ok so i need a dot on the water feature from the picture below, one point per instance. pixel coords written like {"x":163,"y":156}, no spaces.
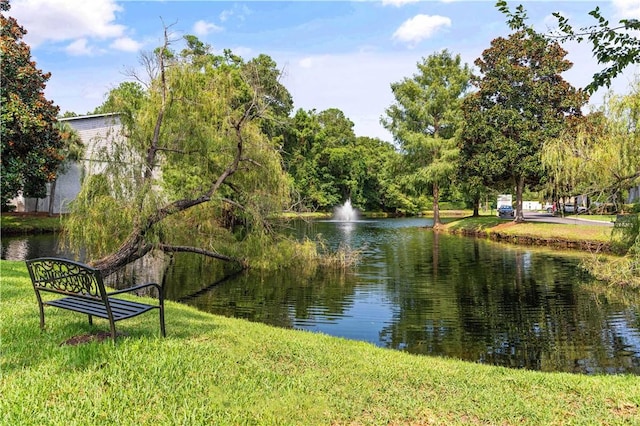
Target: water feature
{"x":427,"y":293}
{"x":345,"y":212}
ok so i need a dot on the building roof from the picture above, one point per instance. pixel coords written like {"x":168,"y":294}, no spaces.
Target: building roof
{"x":83,"y":117}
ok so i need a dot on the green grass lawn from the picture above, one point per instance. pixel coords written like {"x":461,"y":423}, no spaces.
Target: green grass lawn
{"x":17,"y":224}
{"x":581,"y":231}
{"x":212,"y":370}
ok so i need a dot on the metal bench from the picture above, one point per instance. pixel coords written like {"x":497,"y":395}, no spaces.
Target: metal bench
{"x":84,"y":292}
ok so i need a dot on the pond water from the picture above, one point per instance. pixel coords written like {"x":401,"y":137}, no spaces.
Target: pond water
{"x":424,"y":293}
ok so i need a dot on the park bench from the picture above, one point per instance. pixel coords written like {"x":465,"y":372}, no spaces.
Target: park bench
{"x":85,"y":293}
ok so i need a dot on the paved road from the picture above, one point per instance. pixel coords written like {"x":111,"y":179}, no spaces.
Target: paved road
{"x":573,"y":219}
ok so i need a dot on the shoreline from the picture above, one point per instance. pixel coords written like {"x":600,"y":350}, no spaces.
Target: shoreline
{"x":530,"y":240}
{"x":584,"y":236}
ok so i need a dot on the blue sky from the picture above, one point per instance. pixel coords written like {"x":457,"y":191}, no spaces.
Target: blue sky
{"x":334,"y":54}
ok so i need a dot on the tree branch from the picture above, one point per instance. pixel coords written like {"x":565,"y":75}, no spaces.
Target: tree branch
{"x":187,"y":249}
{"x":252,"y":161}
{"x":177,"y":151}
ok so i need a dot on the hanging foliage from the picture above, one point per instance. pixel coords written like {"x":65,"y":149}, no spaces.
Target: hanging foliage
{"x":195,"y":172}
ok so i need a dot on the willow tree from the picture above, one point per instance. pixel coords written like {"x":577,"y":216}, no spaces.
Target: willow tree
{"x":521,"y":102}
{"x":424,"y":120}
{"x":193,"y":171}
{"x":600,"y":154}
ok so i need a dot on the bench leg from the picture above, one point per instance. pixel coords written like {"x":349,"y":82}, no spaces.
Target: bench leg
{"x":41,"y":308}
{"x":41,"y":317}
{"x":161,"y":309}
{"x":113,"y":331}
{"x":90,"y":319}
{"x":162,"y":329}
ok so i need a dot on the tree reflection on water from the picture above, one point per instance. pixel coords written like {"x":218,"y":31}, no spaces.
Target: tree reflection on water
{"x":432,"y":294}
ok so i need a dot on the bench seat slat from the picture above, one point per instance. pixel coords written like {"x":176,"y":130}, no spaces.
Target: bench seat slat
{"x":120,"y":309}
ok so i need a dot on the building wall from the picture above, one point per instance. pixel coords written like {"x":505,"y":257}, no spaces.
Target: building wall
{"x":531,"y":205}
{"x":96,"y":132}
{"x":67,"y":188}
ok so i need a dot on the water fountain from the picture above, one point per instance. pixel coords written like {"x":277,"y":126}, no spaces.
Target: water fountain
{"x":345,"y":212}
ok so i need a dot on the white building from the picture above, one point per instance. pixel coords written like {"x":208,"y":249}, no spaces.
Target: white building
{"x":95,"y":131}
{"x":533,"y":206}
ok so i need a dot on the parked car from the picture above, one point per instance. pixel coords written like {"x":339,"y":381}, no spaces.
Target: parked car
{"x":571,"y":208}
{"x":505,"y":211}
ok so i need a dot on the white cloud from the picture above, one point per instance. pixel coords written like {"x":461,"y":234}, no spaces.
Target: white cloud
{"x":203,"y":28}
{"x":397,"y":3}
{"x":240,"y":13}
{"x":306,"y":62}
{"x":420,"y":27}
{"x":315,"y":61}
{"x":243,"y":51}
{"x":79,"y":48}
{"x":60,"y":20}
{"x":627,"y":8}
{"x":126,"y":44}
{"x":225,"y":14}
{"x":244,"y":11}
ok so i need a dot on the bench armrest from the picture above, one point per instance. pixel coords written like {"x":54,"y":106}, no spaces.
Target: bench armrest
{"x":138,"y":287}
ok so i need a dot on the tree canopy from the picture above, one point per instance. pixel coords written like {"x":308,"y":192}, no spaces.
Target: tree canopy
{"x":31,"y":144}
{"x":424,"y":119}
{"x":521,"y":102}
{"x":125,"y":100}
{"x":328,"y":164}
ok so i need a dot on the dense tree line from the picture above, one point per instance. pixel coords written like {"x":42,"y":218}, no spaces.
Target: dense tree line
{"x":329,"y":164}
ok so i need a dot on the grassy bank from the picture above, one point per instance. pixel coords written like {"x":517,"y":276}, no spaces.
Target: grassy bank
{"x":582,"y":235}
{"x":28,"y":223}
{"x":222,"y":371}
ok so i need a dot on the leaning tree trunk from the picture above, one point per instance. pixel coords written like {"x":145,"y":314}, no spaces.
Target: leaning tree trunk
{"x":132,"y":249}
{"x":136,"y":245}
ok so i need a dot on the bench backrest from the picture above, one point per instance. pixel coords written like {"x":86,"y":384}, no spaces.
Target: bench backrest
{"x":66,"y":277}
